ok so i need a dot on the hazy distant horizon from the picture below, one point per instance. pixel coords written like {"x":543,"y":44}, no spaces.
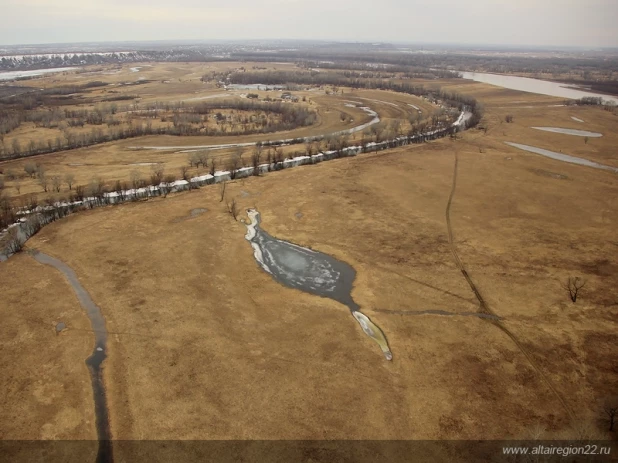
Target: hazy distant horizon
{"x":399,"y":44}
{"x":521,"y":23}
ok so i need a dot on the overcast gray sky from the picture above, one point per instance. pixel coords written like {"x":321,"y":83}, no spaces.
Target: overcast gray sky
{"x":520,"y":22}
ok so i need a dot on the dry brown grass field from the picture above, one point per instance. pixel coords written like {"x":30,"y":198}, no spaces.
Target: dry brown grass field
{"x":205,"y":345}
{"x":117,"y":160}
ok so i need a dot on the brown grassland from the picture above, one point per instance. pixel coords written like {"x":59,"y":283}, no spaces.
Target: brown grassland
{"x":117,"y":160}
{"x":205,"y":345}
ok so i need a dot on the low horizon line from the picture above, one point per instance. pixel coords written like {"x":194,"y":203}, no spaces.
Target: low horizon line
{"x":539,"y":47}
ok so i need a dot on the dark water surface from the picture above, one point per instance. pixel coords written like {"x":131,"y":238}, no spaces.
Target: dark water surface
{"x":310,"y":271}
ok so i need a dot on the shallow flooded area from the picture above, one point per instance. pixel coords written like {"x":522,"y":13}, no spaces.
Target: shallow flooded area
{"x":10,"y":75}
{"x":577,"y":133}
{"x":309,"y":271}
{"x":526,"y":84}
{"x":562,"y":157}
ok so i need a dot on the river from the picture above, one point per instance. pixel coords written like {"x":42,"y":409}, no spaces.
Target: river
{"x":541,"y":87}
{"x":10,"y":75}
{"x":99,"y":354}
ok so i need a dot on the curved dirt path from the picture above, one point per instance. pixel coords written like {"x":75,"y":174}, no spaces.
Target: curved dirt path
{"x":491,"y":316}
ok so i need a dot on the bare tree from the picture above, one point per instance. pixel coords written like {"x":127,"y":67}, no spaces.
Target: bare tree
{"x":43,"y":180}
{"x":14,"y":244}
{"x":32,"y":225}
{"x":395,"y":126}
{"x":119,"y":190}
{"x":213,"y":166}
{"x":202,"y":158}
{"x":97,"y":187}
{"x":573,"y":285}
{"x":586,"y":140}
{"x":233,"y":165}
{"x":156,"y":176}
{"x":79,"y":193}
{"x":610,"y":409}
{"x":166,"y":185}
{"x":30,"y":169}
{"x":194,"y":160}
{"x":255,"y":159}
{"x":222,"y":190}
{"x":69,"y":179}
{"x":278,"y":155}
{"x":56,"y":183}
{"x":16,"y":147}
{"x":184,"y":173}
{"x":17,"y":185}
{"x":136,"y":179}
{"x":232,"y":208}
{"x":238,"y":152}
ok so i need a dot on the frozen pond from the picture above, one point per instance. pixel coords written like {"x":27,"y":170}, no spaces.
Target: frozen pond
{"x":526,"y":84}
{"x":578,"y":133}
{"x":9,"y":75}
{"x":562,"y":157}
{"x":309,"y":271}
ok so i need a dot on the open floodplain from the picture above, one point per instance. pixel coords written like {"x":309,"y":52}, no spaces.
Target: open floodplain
{"x":203,"y":343}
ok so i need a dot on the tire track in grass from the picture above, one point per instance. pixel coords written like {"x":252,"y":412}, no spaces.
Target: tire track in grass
{"x":484,"y":307}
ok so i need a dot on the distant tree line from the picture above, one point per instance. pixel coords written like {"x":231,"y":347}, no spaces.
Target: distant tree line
{"x":184,"y":120}
{"x":290,"y":78}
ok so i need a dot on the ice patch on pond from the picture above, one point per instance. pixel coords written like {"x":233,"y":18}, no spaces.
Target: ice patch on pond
{"x":10,"y":75}
{"x":562,"y":157}
{"x":309,"y":271}
{"x":577,"y":133}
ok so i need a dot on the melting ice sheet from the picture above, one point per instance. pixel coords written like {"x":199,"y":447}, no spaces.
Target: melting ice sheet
{"x":310,"y":271}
